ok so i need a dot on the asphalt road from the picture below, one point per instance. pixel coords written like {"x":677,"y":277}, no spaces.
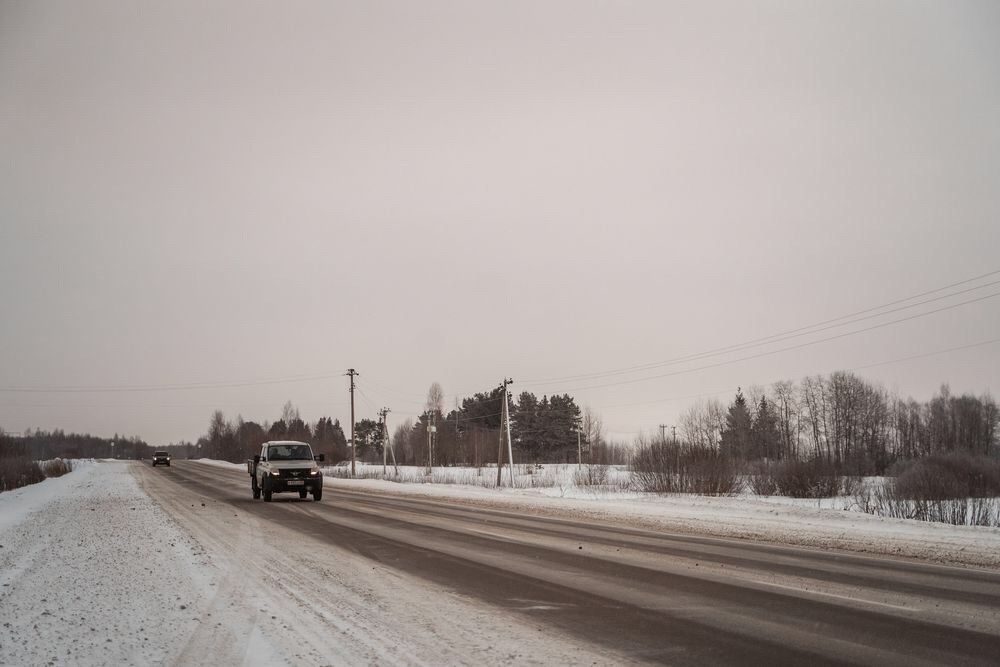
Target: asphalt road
{"x":638,"y":595}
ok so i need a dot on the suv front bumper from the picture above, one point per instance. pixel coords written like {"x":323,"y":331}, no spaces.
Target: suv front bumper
{"x":285,"y":484}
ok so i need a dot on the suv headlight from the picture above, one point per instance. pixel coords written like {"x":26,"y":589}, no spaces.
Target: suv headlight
{"x":315,"y":472}
{"x":275,"y":473}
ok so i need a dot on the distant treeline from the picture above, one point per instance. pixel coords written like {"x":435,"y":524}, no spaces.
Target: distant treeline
{"x":843,"y":420}
{"x":547,"y":429}
{"x":19,"y":465}
{"x":240,"y":439}
{"x":544,"y":429}
{"x":45,"y":445}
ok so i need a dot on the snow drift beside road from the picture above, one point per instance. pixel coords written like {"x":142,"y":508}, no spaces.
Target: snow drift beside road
{"x":93,"y":572}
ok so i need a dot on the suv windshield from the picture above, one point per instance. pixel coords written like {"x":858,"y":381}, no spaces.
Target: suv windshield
{"x":289,"y":452}
{"x":159,"y":453}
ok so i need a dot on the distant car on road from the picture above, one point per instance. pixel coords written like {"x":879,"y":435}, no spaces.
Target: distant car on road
{"x":161,"y":458}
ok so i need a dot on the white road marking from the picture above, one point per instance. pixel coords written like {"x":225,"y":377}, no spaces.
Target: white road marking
{"x":835,"y":595}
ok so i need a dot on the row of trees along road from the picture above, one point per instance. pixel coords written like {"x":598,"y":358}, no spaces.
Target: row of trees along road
{"x":241,"y":439}
{"x":43,"y":445}
{"x":544,"y":429}
{"x":844,"y":420}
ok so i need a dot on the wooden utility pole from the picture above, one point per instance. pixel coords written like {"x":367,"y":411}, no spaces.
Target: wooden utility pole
{"x":381,"y":422}
{"x":386,"y":445}
{"x":351,"y":372}
{"x":505,"y":430}
{"x":500,"y":457}
{"x":431,"y":428}
{"x":663,"y":433}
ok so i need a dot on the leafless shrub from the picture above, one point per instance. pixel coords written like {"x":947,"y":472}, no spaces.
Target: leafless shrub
{"x":884,"y":499}
{"x":949,"y":476}
{"x":56,"y":468}
{"x":344,"y":472}
{"x":851,"y":485}
{"x":669,"y":468}
{"x":17,"y":469}
{"x":654,"y":468}
{"x":806,"y":479}
{"x":591,"y":475}
{"x":625,"y":484}
{"x":761,"y":480}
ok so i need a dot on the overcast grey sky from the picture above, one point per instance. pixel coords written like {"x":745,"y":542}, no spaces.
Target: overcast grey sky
{"x":221,"y":192}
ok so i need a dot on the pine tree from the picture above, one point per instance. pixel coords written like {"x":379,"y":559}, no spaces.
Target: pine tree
{"x":765,"y":437}
{"x":278,"y":430}
{"x":736,"y":434}
{"x":525,"y":425}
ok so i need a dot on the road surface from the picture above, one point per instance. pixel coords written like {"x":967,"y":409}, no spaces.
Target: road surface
{"x":597,"y":592}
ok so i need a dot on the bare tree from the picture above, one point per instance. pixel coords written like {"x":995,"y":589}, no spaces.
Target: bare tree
{"x":592,"y":431}
{"x":788,"y":409}
{"x":435,"y":398}
{"x":290,"y":413}
{"x":701,"y":424}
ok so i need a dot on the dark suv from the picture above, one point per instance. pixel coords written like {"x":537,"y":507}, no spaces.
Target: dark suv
{"x":161,"y":457}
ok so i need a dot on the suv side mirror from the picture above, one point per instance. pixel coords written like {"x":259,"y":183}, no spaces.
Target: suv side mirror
{"x":319,"y":457}
{"x":256,"y":458}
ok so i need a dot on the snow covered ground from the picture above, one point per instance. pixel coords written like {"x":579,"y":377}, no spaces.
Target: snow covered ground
{"x":827,"y":523}
{"x":115,"y":564}
{"x":93,"y":572}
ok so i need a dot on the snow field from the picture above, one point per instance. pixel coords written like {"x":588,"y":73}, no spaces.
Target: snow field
{"x":95,"y":573}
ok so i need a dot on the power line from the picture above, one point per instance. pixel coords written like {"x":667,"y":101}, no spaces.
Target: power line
{"x":785,"y":349}
{"x":855,"y":368}
{"x":926,"y":354}
{"x":392,"y":393}
{"x":818,"y":327}
{"x":192,"y":406}
{"x":781,"y":336}
{"x":751,"y":345}
{"x":54,"y":389}
{"x":364,"y":397}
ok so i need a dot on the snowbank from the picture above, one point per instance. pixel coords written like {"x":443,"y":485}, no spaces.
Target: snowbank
{"x":93,"y":572}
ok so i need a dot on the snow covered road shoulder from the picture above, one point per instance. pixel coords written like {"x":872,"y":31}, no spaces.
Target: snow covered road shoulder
{"x":93,"y":572}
